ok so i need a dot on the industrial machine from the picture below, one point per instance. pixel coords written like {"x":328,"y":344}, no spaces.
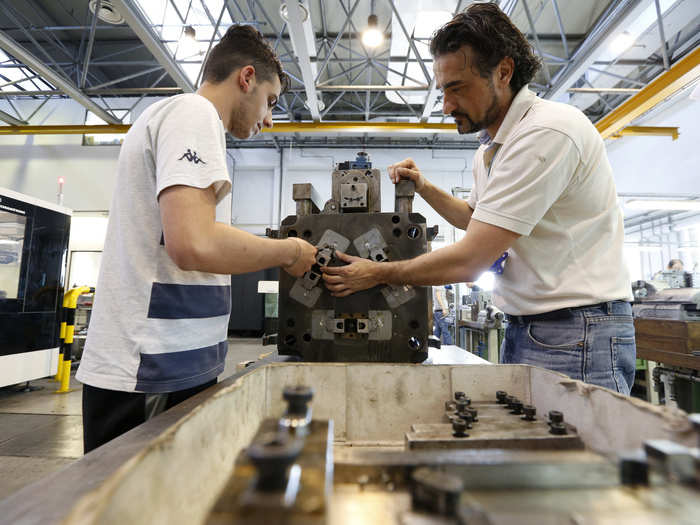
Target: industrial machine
{"x":387,"y":323}
{"x":33,"y":251}
{"x":480,"y":325}
{"x":386,"y":443}
{"x":488,"y":461}
{"x":667,"y":326}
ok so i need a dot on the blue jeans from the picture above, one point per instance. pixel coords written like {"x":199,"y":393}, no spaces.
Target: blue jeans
{"x":441,"y":327}
{"x":596,"y":345}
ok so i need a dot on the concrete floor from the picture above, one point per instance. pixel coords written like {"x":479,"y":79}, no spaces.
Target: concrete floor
{"x":41,"y":431}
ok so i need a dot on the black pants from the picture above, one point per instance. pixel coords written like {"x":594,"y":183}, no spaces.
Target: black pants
{"x":109,"y":413}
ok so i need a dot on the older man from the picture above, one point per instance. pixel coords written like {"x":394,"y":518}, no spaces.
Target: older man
{"x":543,"y":193}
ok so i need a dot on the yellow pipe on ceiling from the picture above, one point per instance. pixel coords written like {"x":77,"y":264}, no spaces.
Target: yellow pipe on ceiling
{"x":78,"y":129}
{"x":647,"y":131}
{"x":666,"y":84}
{"x":279,"y":127}
{"x":678,"y":76}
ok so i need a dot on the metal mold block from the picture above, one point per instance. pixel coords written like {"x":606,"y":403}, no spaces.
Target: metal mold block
{"x":382,"y":324}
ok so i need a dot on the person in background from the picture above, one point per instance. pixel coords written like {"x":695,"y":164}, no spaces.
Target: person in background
{"x":675,"y":265}
{"x":443,"y":313}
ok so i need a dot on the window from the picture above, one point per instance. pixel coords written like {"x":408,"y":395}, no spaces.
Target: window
{"x":12,"y":228}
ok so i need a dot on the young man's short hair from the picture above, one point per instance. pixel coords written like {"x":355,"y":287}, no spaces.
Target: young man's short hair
{"x":241,"y":46}
{"x":492,"y":36}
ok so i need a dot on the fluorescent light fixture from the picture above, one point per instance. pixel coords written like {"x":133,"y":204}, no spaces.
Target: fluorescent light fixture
{"x":662,"y":204}
{"x":621,"y":43}
{"x":372,"y":36}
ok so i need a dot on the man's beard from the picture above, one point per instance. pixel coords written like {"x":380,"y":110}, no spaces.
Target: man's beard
{"x":469,"y":126}
{"x":240,"y":121}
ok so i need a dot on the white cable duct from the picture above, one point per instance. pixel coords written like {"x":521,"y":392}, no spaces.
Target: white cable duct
{"x":304,"y":45}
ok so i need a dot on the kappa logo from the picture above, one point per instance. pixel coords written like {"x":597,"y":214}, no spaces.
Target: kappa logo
{"x":191,"y":156}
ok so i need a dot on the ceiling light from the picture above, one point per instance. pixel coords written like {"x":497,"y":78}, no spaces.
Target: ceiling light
{"x":107,"y":12}
{"x":302,"y":7}
{"x":188,"y":46}
{"x":621,"y":43}
{"x":653,"y":204}
{"x":372,"y":36}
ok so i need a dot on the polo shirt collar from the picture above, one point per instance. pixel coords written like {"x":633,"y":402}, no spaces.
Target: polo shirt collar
{"x":522,"y":102}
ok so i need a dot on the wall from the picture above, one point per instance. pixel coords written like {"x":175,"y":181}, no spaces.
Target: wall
{"x":32,"y":164}
{"x":659,"y":164}
{"x":663,"y":166}
{"x":257,"y":186}
{"x":261,"y":196}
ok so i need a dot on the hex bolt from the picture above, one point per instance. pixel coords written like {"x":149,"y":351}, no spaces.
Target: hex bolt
{"x":462,"y":406}
{"x":459,"y":427}
{"x":501,"y":396}
{"x":474,"y":413}
{"x":555,"y":417}
{"x":466,"y":416}
{"x":272,"y":455}
{"x":530,"y":412}
{"x":436,"y":492}
{"x":517,"y":408}
{"x":558,"y":429}
{"x":297,"y":398}
{"x":459,"y":395}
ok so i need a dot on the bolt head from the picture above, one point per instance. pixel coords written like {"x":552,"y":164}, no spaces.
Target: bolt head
{"x":555,"y":416}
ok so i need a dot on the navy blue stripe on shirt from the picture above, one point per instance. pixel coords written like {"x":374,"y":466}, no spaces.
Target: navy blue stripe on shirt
{"x":188,"y":301}
{"x":172,"y":371}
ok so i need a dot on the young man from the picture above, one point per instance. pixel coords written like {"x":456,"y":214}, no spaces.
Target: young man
{"x":543,"y":192}
{"x":158,"y":329}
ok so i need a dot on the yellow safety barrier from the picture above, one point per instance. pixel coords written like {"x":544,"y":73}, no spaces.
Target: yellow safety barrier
{"x":61,"y":337}
{"x":70,"y":301}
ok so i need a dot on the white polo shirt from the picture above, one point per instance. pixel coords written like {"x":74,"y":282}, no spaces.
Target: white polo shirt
{"x":547,"y":177}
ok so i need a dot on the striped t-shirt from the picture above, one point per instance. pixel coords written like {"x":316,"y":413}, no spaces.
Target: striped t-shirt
{"x":156,"y":328}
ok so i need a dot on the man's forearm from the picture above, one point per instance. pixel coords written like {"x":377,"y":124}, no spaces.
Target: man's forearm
{"x":228,"y":250}
{"x":444,"y":266}
{"x":455,"y":211}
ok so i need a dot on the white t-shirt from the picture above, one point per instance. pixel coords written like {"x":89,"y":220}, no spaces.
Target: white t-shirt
{"x":154,"y":327}
{"x":547,"y":177}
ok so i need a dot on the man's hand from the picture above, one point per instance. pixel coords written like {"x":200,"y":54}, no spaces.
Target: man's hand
{"x":359,"y":274}
{"x":302,"y":259}
{"x":407,"y":170}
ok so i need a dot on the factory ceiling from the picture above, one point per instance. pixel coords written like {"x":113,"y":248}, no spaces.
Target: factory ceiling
{"x":596,"y":54}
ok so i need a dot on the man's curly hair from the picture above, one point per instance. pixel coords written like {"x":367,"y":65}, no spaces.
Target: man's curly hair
{"x":492,"y":36}
{"x":241,"y":46}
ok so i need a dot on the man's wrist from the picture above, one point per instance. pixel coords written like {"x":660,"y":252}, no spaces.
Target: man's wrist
{"x":383,"y":272}
{"x":294,"y":253}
